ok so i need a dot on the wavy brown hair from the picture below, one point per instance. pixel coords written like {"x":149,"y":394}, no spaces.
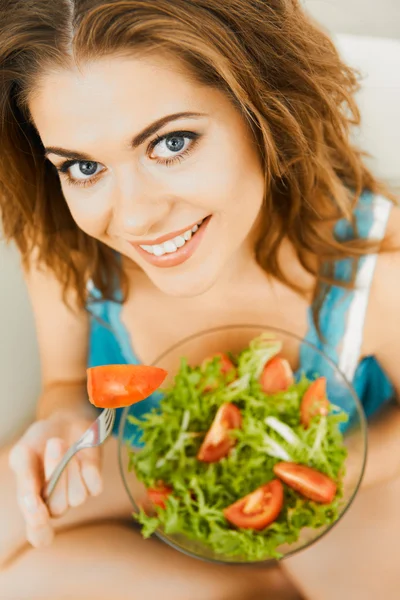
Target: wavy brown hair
{"x":277,"y":66}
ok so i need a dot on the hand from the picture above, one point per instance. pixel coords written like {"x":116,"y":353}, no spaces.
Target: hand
{"x":34,"y":458}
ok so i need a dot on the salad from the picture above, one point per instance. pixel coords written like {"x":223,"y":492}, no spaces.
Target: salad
{"x":240,"y":454}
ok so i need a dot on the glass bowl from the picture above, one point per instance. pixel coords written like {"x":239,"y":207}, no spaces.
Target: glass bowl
{"x":304,"y":358}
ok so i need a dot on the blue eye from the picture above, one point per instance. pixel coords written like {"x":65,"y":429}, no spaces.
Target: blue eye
{"x":173,"y":146}
{"x":80,"y":171}
{"x":87,"y":168}
{"x":175,"y":143}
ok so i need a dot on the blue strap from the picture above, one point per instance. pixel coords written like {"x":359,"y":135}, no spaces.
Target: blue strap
{"x":370,"y":382}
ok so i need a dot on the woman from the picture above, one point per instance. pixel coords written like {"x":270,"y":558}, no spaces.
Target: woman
{"x":171,"y":166}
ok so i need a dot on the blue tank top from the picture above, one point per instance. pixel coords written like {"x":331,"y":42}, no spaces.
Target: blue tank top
{"x":341,"y":319}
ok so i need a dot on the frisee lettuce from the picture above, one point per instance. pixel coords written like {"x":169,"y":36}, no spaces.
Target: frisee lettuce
{"x":271,"y":431}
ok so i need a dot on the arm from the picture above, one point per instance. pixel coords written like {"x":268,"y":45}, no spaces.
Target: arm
{"x":63,"y":344}
{"x":382,"y":339}
{"x":63,"y":414}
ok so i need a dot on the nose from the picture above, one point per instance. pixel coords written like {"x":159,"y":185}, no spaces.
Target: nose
{"x":139,"y":206}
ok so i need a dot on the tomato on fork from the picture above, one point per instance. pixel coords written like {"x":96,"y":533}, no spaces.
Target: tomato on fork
{"x":115,"y":386}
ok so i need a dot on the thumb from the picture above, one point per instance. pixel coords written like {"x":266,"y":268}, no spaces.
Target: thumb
{"x":90,"y":465}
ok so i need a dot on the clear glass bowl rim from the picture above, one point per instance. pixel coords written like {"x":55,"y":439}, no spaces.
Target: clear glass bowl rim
{"x":335,"y":368}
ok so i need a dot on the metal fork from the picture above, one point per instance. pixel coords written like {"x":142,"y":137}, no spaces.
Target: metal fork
{"x":97,"y":433}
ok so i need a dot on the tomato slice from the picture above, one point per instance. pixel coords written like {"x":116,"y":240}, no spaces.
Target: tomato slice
{"x":226,"y":365}
{"x":277,"y":376}
{"x":312,"y":484}
{"x":258,"y":509}
{"x":218,"y":442}
{"x":159,"y":495}
{"x":114,"y":386}
{"x":314,"y":402}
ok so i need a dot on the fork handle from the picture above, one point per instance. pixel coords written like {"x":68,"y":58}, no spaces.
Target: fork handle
{"x":52,"y":482}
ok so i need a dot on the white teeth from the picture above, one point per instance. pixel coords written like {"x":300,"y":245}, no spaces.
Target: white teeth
{"x":158,"y":250}
{"x":171,"y":246}
{"x":179,"y":241}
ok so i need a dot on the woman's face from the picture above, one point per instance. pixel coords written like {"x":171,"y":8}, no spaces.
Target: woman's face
{"x":158,"y":167}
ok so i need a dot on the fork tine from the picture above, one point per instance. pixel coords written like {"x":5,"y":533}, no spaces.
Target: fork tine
{"x":109,"y":416}
{"x":110,"y":428}
{"x":109,"y":419}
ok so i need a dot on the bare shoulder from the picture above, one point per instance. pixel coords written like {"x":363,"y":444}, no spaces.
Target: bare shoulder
{"x":62,"y":330}
{"x":382,"y":327}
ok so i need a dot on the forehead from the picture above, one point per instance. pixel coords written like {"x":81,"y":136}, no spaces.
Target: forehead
{"x":104,"y":98}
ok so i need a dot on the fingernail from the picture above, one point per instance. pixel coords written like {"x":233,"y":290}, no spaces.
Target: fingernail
{"x":31,"y":503}
{"x":92,"y":479}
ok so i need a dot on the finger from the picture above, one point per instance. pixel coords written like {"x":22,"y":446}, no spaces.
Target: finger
{"x":25,"y":465}
{"x":90,"y":464}
{"x":54,"y":451}
{"x":40,"y":538}
{"x":76,"y":489}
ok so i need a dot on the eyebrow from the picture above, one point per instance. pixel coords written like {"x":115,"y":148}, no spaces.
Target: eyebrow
{"x":137,"y":140}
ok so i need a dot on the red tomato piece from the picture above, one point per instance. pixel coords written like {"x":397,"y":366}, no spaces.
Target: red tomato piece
{"x":226,"y":366}
{"x":314,"y":401}
{"x":312,"y":484}
{"x":159,"y":495}
{"x":277,"y":376}
{"x":114,"y":386}
{"x":218,"y":442}
{"x":258,"y":509}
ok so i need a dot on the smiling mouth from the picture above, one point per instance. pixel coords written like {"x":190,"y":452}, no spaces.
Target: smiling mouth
{"x":173,"y":251}
{"x":172,"y":245}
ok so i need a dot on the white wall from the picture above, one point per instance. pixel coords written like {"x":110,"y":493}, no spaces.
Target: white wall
{"x":19,"y":362}
{"x":378,"y":60}
{"x":378,"y":18}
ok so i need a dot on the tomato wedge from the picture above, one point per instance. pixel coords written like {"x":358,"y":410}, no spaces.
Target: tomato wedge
{"x":218,"y":442}
{"x":159,"y":495}
{"x":314,"y":402}
{"x":258,"y":509}
{"x":277,"y":376}
{"x":114,"y":386}
{"x":312,"y":484}
{"x":226,"y":364}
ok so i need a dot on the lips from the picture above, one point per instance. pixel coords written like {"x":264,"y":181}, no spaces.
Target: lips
{"x":166,"y":237}
{"x":172,"y":249}
{"x":171,"y":245}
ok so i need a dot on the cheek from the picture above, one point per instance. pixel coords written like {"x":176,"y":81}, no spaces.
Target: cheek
{"x":90,"y":209}
{"x":228,"y":179}
{"x":236,"y":185}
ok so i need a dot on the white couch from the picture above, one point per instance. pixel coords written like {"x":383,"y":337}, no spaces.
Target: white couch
{"x":378,"y":59}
